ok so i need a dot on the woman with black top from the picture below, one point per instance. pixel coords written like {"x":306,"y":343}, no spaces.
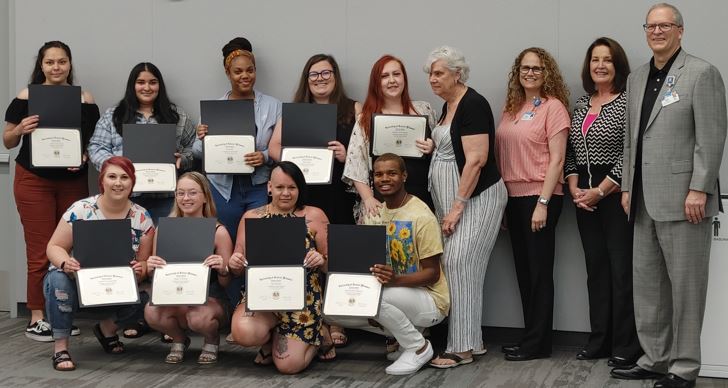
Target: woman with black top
{"x":321,"y":83}
{"x":593,"y":169}
{"x":43,"y":194}
{"x":469,"y":198}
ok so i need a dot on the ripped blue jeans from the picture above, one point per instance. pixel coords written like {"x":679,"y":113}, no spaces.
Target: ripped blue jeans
{"x":61,"y":295}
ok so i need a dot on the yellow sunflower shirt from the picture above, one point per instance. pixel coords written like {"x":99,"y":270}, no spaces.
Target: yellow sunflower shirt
{"x":414,"y":234}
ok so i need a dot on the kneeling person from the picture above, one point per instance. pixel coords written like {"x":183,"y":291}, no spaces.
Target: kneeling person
{"x":415,"y":294}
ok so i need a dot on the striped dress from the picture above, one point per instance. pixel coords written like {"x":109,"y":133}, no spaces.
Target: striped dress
{"x":467,"y":251}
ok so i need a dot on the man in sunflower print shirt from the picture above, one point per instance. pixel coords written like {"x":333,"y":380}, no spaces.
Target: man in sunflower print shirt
{"x":415,"y":294}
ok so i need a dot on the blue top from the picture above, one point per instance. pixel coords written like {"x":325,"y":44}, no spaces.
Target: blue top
{"x":267,"y":113}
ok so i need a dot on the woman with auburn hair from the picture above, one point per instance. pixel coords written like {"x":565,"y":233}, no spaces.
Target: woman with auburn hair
{"x":193,"y":199}
{"x":593,"y":170}
{"x":116,"y":181}
{"x":530,"y":145}
{"x":388,"y":93}
{"x":43,"y":194}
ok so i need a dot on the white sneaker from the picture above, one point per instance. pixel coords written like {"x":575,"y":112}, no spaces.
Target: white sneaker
{"x":410,"y":362}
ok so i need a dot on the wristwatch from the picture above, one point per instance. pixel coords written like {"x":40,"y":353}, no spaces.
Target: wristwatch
{"x":543,"y":201}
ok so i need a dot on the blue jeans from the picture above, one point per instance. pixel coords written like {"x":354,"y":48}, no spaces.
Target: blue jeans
{"x":244,"y":196}
{"x":61,"y":297}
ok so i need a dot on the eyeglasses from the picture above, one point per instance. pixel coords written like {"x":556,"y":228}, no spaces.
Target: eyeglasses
{"x":537,"y":70}
{"x":324,"y":74}
{"x":191,"y":194}
{"x":664,"y":27}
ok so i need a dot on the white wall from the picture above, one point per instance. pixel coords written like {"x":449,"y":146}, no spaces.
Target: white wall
{"x":184,"y":38}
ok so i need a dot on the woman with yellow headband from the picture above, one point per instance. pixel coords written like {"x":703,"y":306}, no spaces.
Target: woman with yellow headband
{"x":235,"y":194}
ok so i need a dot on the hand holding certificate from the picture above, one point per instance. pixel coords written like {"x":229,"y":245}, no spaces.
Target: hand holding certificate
{"x":306,"y":133}
{"x":351,"y":289}
{"x":151,"y":147}
{"x":398,"y":134}
{"x":56,"y":141}
{"x":275,"y":249}
{"x":104,"y":278}
{"x":183,"y":278}
{"x":230,"y":136}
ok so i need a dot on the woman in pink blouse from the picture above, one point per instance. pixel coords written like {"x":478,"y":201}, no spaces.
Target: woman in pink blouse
{"x":530,"y":147}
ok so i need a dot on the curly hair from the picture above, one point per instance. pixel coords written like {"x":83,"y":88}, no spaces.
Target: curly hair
{"x":553,"y":83}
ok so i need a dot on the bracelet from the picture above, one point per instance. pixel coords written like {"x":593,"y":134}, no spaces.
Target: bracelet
{"x":461,"y":199}
{"x":601,"y":192}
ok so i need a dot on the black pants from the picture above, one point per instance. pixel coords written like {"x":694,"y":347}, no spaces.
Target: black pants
{"x":533,"y":255}
{"x":606,"y":236}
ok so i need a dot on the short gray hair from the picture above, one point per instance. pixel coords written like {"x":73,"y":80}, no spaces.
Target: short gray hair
{"x":675,"y":12}
{"x":454,"y":60}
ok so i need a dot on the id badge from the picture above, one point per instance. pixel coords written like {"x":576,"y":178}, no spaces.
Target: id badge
{"x":670,"y":97}
{"x":528,"y":116}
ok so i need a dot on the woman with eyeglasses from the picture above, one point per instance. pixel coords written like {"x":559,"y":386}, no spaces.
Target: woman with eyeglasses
{"x":235,"y":194}
{"x":593,"y":170}
{"x":388,"y":93}
{"x":530,"y":144}
{"x":193,"y":199}
{"x":321,"y":83}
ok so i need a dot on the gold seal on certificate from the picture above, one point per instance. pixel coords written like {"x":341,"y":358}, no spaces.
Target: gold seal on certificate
{"x":397,"y":134}
{"x":315,"y":163}
{"x":105,"y":286}
{"x":352,"y":295}
{"x":55,"y":147}
{"x":225,"y":154}
{"x":275,"y":288}
{"x":180,"y":284}
{"x":155,"y":177}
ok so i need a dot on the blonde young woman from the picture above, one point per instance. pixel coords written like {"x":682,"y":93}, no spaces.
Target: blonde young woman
{"x":194,"y":199}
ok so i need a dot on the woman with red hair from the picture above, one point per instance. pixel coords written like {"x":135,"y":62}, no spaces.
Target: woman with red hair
{"x":116,"y":181}
{"x":388,"y":94}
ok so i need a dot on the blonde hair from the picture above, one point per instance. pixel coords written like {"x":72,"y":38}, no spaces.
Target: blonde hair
{"x":553,"y":83}
{"x":208,"y":209}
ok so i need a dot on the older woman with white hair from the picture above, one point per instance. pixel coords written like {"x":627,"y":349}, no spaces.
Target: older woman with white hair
{"x":469,"y":198}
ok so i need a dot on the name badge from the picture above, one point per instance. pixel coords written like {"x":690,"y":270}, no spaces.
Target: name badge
{"x":528,"y":116}
{"x":670,"y":97}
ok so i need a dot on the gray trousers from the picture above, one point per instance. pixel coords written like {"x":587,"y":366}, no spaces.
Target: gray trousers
{"x":670,"y":276}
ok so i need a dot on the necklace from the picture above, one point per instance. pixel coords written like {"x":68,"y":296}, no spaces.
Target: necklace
{"x":394,"y":213}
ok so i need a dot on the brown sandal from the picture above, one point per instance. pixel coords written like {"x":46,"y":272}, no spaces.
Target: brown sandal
{"x":60,"y":357}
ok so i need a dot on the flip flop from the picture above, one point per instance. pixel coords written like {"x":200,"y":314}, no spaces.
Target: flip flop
{"x":450,"y":356}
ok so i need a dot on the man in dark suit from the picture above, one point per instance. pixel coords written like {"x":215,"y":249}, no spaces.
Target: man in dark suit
{"x":675,"y":133}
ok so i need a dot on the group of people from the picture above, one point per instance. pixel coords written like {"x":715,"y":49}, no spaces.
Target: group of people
{"x":639,"y":156}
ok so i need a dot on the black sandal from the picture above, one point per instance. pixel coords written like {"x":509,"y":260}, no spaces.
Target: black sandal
{"x":140,"y":327}
{"x":263,"y":358}
{"x":63,"y":356}
{"x":108,"y":343}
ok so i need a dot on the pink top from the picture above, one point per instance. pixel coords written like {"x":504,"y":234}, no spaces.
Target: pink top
{"x":588,"y":121}
{"x":522,"y":149}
